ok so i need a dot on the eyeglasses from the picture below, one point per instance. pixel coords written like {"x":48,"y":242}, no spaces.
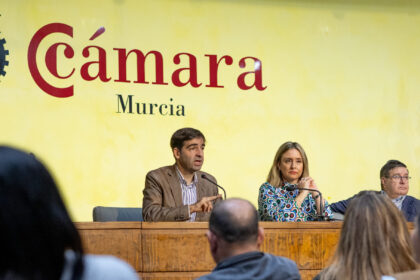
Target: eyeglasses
{"x":398,"y":178}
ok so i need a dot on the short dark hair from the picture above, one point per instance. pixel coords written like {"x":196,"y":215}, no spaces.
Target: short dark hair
{"x":185,"y":134}
{"x":226,"y":223}
{"x":36,"y":228}
{"x":389,"y":165}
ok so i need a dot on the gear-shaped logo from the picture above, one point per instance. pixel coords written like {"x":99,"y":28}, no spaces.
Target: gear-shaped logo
{"x":3,"y":53}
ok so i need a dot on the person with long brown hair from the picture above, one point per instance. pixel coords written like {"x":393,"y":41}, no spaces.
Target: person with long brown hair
{"x":412,"y":274}
{"x":374,"y":241}
{"x":281,"y":197}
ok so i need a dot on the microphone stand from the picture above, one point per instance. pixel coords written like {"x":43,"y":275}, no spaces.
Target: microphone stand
{"x":321,"y":216}
{"x":214,"y":183}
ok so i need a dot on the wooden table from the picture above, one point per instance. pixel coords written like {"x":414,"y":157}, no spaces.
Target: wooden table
{"x":179,"y":250}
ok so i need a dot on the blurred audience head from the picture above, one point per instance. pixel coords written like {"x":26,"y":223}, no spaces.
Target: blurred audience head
{"x":416,"y":239}
{"x":233,"y":229}
{"x":35,"y":226}
{"x":374,"y":241}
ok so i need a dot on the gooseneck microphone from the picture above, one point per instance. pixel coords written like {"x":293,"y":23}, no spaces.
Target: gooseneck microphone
{"x":214,"y":183}
{"x":321,"y":217}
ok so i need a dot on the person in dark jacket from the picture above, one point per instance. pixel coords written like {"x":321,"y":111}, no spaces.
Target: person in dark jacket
{"x":235,"y":238}
{"x":395,"y":184}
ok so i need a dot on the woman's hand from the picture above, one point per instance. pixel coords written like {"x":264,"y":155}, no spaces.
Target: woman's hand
{"x":303,"y":183}
{"x":314,"y":187}
{"x":309,"y":183}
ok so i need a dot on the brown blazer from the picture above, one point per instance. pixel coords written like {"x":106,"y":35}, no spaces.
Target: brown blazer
{"x":162,"y":196}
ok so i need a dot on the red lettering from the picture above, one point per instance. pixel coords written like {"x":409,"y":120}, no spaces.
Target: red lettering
{"x":257,"y":74}
{"x":141,"y":59}
{"x":50,"y":59}
{"x":84,"y":71}
{"x":245,"y":81}
{"x":192,"y":70}
{"x":214,"y":67}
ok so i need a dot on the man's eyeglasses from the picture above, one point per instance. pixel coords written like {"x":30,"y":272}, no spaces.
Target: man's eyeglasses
{"x":398,"y":178}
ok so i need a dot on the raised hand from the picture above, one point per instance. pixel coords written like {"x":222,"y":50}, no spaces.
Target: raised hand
{"x":205,"y":204}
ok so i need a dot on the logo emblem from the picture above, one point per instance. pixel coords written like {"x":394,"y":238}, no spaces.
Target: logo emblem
{"x":3,"y":53}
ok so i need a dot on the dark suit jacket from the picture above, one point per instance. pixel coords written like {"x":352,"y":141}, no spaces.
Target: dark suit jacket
{"x":255,"y":266}
{"x":162,"y":195}
{"x":410,"y":207}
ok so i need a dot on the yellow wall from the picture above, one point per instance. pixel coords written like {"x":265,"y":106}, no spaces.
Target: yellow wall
{"x":342,"y":79}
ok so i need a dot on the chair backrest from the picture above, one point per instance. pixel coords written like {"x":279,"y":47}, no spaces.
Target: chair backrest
{"x":116,"y":214}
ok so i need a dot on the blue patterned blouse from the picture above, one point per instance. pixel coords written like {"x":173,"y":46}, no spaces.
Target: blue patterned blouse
{"x":277,"y":204}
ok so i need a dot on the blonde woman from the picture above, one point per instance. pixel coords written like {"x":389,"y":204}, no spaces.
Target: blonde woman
{"x":276,"y":200}
{"x":374,"y":241}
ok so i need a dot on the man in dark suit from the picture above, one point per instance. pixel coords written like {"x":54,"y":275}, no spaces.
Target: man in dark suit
{"x":179,"y":192}
{"x":395,"y":184}
{"x":235,"y":237}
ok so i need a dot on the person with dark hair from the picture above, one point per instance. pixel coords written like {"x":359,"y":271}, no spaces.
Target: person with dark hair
{"x":39,"y":240}
{"x":234,"y":238}
{"x":374,"y":241}
{"x":180,"y":192}
{"x":395,"y":183}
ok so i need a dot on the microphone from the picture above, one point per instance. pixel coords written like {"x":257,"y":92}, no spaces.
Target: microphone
{"x":321,"y":217}
{"x":291,"y":188}
{"x":214,"y":183}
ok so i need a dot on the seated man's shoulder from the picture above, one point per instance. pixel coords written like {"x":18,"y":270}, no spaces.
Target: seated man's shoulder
{"x":282,"y":262}
{"x":414,"y":199}
{"x":413,"y":202}
{"x":160,"y":171}
{"x":256,"y":266}
{"x":341,"y":206}
{"x":411,"y":198}
{"x":280,"y":268}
